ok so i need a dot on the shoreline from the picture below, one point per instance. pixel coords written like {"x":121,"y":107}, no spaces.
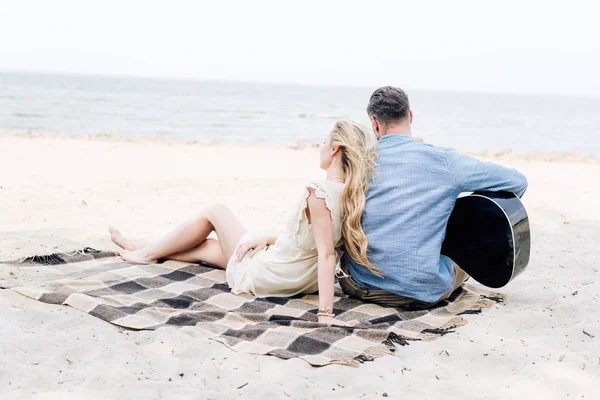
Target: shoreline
{"x":493,"y":154}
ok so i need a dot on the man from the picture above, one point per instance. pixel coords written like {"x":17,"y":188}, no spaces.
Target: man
{"x":408,"y":206}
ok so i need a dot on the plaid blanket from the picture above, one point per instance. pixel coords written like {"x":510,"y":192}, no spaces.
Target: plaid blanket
{"x":193,"y":296}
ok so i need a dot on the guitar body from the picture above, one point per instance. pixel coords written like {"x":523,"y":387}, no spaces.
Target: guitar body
{"x":488,"y":237}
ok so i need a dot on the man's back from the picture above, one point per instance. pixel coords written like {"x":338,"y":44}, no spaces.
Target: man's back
{"x":407,"y":210}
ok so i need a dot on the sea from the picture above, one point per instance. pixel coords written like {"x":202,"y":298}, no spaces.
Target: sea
{"x":245,"y":113}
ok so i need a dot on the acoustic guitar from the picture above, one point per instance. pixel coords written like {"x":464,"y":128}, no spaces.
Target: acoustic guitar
{"x":488,"y":236}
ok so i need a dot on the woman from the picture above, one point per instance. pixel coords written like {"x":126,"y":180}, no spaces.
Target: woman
{"x":304,"y":259}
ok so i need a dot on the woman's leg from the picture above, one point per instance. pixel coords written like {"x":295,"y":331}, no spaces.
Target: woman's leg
{"x":191,"y":234}
{"x":208,"y":252}
{"x":124,"y":243}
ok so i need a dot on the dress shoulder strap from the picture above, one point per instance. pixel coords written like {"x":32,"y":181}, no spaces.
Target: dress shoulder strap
{"x":322,"y":191}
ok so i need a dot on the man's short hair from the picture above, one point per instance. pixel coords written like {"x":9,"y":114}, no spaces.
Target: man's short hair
{"x":389,"y":105}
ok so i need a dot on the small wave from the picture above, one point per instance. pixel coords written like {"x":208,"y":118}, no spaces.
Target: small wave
{"x":214,"y":110}
{"x":27,"y":115}
{"x":328,"y":117}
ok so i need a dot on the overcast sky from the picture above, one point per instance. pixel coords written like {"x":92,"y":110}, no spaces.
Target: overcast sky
{"x":507,"y":46}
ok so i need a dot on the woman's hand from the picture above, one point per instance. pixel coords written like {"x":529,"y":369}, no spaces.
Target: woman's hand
{"x":252,"y":247}
{"x":336,"y":322}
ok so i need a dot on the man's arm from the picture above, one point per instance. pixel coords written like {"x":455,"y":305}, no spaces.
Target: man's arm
{"x":470,"y":175}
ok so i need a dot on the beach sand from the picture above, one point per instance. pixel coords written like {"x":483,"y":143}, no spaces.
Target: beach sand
{"x":61,"y":194}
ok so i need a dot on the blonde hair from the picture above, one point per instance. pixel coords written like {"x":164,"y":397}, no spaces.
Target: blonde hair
{"x":359,"y":151}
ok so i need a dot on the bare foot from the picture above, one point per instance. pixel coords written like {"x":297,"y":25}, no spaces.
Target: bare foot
{"x":119,"y":240}
{"x":137,"y":256}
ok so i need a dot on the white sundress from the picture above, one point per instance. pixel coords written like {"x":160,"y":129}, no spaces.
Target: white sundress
{"x":288,"y":267}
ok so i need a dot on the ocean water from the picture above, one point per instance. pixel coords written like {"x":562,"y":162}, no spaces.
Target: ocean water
{"x":261,"y":113}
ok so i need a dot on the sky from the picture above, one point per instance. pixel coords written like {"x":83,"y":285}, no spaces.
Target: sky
{"x":540,"y":47}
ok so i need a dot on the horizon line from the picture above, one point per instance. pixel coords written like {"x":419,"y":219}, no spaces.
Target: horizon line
{"x":285,"y":82}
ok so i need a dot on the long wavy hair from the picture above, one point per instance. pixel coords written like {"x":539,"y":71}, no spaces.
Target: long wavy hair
{"x":358,"y":147}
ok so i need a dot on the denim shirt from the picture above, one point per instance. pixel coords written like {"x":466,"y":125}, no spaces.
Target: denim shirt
{"x":408,"y":206}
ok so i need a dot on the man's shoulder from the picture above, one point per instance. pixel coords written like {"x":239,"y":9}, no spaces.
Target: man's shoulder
{"x":440,"y":153}
{"x":434,"y":147}
{"x":415,"y":149}
{"x":417,"y":144}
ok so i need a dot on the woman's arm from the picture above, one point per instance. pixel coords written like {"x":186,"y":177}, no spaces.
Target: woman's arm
{"x":323,"y":231}
{"x":254,"y":246}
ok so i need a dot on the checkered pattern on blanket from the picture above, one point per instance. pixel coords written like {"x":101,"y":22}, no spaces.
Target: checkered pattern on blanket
{"x":181,"y":294}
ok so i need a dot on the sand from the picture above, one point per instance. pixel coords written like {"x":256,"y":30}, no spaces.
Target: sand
{"x":61,"y":193}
